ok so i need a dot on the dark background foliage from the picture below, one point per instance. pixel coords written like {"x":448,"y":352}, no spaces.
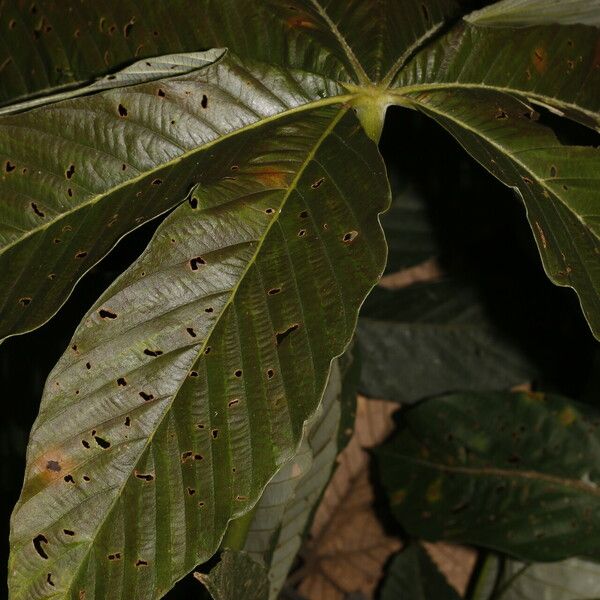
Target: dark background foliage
{"x":485,"y":239}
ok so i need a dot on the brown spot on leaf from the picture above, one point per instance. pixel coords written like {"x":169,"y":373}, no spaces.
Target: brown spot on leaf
{"x":540,"y":60}
{"x":301,"y":23}
{"x":541,"y":235}
{"x":272,"y":178}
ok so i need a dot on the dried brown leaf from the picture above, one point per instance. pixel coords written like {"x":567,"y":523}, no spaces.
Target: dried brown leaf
{"x":428,"y":270}
{"x":348,"y":547}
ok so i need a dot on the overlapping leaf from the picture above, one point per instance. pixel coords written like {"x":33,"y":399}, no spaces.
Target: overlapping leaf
{"x":237,"y":575}
{"x":78,"y":175}
{"x":187,"y":385}
{"x":517,"y":473}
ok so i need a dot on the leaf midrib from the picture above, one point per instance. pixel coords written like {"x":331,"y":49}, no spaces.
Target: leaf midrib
{"x":529,"y":95}
{"x":338,"y":99}
{"x":527,"y":475}
{"x":201,"y":347}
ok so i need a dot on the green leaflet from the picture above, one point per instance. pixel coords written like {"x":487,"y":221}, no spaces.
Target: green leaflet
{"x":516,"y":473}
{"x":552,"y":65}
{"x":283,"y":512}
{"x":80,"y":174}
{"x":412,"y":575}
{"x":558,"y":183}
{"x":187,"y":385}
{"x":237,"y":575}
{"x":535,"y":12}
{"x":143,"y":71}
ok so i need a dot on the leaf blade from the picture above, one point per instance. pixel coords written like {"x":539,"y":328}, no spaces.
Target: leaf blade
{"x":553,"y":65}
{"x":556,"y":182}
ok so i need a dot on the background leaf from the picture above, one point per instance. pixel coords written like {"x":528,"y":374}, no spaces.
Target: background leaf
{"x":188,"y":383}
{"x":412,"y":575}
{"x":572,"y":579}
{"x":433,"y":338}
{"x":517,"y":473}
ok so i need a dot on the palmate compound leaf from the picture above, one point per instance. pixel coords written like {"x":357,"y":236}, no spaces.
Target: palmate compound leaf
{"x":517,"y":473}
{"x":78,"y":175}
{"x":553,"y":65}
{"x":187,"y":385}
